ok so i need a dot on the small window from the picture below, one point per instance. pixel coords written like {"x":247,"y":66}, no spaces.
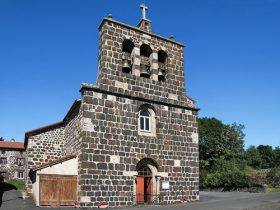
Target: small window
{"x":20,"y":161}
{"x":3,"y":160}
{"x":20,"y":175}
{"x":145,"y":121}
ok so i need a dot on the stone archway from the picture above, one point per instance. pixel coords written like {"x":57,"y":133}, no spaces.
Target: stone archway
{"x":146,"y":182}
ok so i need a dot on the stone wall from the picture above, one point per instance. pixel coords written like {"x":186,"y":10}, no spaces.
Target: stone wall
{"x":111,"y":78}
{"x":112,"y":144}
{"x":12,"y":166}
{"x":72,"y":133}
{"x":44,"y":147}
{"x":104,"y":130}
{"x":112,"y":148}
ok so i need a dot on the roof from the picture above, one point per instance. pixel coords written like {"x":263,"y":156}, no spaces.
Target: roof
{"x":44,"y":128}
{"x":53,"y":162}
{"x":75,"y":105}
{"x":11,"y":145}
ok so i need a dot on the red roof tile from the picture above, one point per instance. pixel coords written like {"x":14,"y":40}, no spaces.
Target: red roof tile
{"x":11,"y":145}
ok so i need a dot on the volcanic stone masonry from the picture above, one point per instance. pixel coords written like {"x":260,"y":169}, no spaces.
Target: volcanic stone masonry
{"x":135,"y":131}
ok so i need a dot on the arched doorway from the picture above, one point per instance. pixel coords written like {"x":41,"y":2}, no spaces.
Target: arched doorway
{"x":146,"y":182}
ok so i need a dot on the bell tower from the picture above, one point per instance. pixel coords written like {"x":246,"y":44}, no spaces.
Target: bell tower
{"x":139,"y":128}
{"x":134,"y":60}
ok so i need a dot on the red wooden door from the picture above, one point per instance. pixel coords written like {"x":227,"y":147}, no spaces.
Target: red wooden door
{"x":140,"y":189}
{"x":149,"y":190}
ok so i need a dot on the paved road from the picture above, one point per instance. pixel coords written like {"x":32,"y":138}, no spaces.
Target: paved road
{"x":12,"y":200}
{"x":208,"y":201}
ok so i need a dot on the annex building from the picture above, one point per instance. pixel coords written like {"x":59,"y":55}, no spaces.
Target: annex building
{"x":131,"y":138}
{"x":12,"y":160}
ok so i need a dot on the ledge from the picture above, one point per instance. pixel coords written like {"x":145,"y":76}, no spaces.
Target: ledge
{"x":139,"y":30}
{"x":96,"y":89}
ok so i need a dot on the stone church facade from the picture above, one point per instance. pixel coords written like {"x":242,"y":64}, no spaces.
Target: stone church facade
{"x":134,"y":132}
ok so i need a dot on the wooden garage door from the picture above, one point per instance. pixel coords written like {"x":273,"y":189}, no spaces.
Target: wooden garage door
{"x":58,"y":190}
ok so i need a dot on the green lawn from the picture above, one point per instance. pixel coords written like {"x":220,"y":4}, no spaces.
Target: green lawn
{"x":19,"y":184}
{"x":273,"y":189}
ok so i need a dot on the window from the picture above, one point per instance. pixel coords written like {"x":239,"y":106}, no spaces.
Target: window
{"x":147,"y":121}
{"x":20,"y":174}
{"x":3,"y":160}
{"x":144,"y":120}
{"x":20,"y":161}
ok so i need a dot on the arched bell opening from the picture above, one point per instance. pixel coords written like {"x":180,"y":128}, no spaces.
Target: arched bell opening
{"x":145,"y":60}
{"x":146,"y":181}
{"x":162,"y":65}
{"x":127,"y":48}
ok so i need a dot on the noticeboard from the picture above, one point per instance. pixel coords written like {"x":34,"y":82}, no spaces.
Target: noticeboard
{"x":165,"y":185}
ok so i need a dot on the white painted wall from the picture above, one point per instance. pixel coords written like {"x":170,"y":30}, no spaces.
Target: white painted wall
{"x":68,"y":167}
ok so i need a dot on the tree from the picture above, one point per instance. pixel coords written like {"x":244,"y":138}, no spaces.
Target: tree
{"x":222,"y":157}
{"x":253,"y":157}
{"x":1,"y":139}
{"x":219,"y":142}
{"x":266,"y":153}
{"x":276,"y":157}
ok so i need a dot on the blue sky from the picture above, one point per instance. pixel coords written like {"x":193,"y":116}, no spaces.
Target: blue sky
{"x":232,"y":54}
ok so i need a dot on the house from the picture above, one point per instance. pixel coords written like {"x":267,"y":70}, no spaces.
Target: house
{"x":131,"y":138}
{"x":12,"y":160}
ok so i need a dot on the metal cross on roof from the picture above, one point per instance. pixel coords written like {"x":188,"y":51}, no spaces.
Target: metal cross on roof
{"x":144,"y":8}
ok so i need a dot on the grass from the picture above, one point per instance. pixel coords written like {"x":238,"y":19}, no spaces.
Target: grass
{"x":273,"y":189}
{"x":19,"y":184}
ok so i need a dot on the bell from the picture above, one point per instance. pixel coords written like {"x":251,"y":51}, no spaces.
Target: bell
{"x":126,"y":66}
{"x":144,"y":71}
{"x":161,"y":74}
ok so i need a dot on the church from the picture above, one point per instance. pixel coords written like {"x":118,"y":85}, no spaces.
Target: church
{"x":131,"y":138}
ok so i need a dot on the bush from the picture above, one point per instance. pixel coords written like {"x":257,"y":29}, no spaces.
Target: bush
{"x":228,"y":180}
{"x":273,"y":177}
{"x":236,"y":179}
{"x":249,"y":171}
{"x":209,"y":180}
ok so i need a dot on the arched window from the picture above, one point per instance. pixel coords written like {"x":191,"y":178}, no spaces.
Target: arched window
{"x":147,"y":120}
{"x":144,"y":120}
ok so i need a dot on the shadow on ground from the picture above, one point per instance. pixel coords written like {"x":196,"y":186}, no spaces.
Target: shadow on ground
{"x":3,"y":188}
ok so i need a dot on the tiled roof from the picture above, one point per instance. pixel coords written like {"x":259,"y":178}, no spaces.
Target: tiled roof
{"x":53,"y":162}
{"x":11,"y":145}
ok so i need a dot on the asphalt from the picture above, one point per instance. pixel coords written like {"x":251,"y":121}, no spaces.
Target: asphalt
{"x":12,"y":200}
